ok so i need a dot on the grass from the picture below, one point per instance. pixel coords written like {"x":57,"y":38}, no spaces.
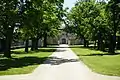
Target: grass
{"x":24,"y":63}
{"x":100,"y":62}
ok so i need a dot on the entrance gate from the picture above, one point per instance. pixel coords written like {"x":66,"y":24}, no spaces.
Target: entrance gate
{"x":63,"y":41}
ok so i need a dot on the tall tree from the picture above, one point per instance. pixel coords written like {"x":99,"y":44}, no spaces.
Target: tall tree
{"x":113,"y":11}
{"x":8,"y":20}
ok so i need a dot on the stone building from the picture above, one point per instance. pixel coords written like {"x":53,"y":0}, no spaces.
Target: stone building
{"x":65,"y":38}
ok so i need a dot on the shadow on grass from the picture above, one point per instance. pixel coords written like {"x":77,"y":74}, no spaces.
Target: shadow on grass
{"x":98,"y":54}
{"x":37,"y":51}
{"x":65,"y":47}
{"x":58,"y":61}
{"x":18,"y":52}
{"x":45,"y":50}
{"x":6,"y":64}
{"x":90,"y":48}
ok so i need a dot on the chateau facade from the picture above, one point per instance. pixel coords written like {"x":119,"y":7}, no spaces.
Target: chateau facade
{"x":65,"y":38}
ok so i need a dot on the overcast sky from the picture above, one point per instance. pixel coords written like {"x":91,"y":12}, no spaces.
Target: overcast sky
{"x":69,"y":3}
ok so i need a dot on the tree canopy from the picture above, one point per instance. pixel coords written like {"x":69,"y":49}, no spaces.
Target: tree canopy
{"x":96,"y":21}
{"x":29,"y":20}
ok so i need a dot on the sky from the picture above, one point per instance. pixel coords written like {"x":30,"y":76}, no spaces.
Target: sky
{"x":69,"y":3}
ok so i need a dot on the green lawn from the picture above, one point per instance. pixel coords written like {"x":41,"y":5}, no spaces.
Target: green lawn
{"x":23,"y":63}
{"x":100,"y":62}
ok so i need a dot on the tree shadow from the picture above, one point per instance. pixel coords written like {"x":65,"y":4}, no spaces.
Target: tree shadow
{"x":49,"y":50}
{"x":100,"y":54}
{"x":64,"y":47}
{"x":45,"y":50}
{"x":6,"y":64}
{"x":36,"y":51}
{"x":18,"y":52}
{"x":90,"y":48}
{"x":60,"y":50}
{"x":58,"y":61}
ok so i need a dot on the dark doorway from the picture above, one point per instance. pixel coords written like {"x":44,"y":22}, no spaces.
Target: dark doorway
{"x":63,"y":41}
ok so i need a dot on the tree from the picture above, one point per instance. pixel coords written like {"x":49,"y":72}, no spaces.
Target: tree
{"x":34,"y":19}
{"x":113,"y":18}
{"x":88,"y":21}
{"x":45,"y":20}
{"x":8,"y":21}
{"x":53,"y":15}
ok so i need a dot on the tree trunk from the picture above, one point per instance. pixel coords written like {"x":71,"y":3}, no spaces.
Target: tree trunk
{"x":94,"y":44}
{"x":118,"y":43}
{"x":3,"y":44}
{"x":45,"y":40}
{"x":9,"y":36}
{"x":113,"y":38}
{"x":112,"y":44}
{"x":102,"y":46}
{"x":33,"y":45}
{"x":85,"y":43}
{"x":26,"y":45}
{"x":36,"y":44}
{"x":99,"y":44}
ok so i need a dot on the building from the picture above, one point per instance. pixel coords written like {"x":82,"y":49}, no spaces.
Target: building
{"x":65,"y":38}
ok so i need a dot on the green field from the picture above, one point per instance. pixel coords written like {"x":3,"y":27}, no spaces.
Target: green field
{"x":23,"y":63}
{"x":100,"y":62}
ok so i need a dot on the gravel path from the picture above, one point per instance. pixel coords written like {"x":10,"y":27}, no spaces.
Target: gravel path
{"x":62,"y":65}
